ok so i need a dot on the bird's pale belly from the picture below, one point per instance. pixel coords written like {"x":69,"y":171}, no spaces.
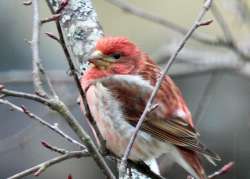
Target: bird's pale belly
{"x":116,"y":131}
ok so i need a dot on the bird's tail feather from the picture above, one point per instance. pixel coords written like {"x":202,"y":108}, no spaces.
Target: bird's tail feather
{"x":190,"y":161}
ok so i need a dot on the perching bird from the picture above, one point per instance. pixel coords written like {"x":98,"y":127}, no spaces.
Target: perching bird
{"x":118,"y":85}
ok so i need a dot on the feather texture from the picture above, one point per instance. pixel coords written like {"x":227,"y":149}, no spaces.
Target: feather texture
{"x":117,"y":96}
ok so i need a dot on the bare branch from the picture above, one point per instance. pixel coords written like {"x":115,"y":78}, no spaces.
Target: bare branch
{"x":35,"y":51}
{"x":52,"y":36}
{"x":225,"y":169}
{"x":38,"y":69}
{"x":125,"y":6}
{"x":192,"y":61}
{"x":197,"y":24}
{"x":54,"y":17}
{"x":222,"y":23}
{"x":36,"y":170}
{"x":54,"y":127}
{"x":227,"y":32}
{"x":203,"y":102}
{"x":24,"y":95}
{"x":54,"y":148}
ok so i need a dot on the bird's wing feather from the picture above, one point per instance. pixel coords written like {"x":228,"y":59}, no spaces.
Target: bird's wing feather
{"x":133,"y":94}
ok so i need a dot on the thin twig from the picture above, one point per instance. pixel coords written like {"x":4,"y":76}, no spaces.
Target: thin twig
{"x":225,"y":169}
{"x":24,"y":95}
{"x":35,"y":51}
{"x":52,"y":36}
{"x":36,"y":170}
{"x":196,"y":61}
{"x":54,"y":17}
{"x":222,"y":23}
{"x":54,"y":127}
{"x":54,"y":148}
{"x":127,"y":7}
{"x":203,"y":102}
{"x":231,"y":43}
{"x":197,"y":24}
{"x":38,"y":69}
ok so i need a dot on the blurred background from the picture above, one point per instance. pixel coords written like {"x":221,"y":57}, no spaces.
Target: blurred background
{"x":224,"y":121}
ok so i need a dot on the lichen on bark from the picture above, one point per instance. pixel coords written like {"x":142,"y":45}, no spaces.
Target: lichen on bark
{"x":80,"y":28}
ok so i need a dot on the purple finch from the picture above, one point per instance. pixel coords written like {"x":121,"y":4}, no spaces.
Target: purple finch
{"x":118,"y":85}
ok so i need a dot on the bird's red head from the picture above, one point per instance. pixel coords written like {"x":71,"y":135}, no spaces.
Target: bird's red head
{"x":117,"y":45}
{"x":115,"y":55}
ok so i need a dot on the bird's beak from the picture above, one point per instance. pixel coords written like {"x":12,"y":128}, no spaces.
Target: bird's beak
{"x":99,"y":59}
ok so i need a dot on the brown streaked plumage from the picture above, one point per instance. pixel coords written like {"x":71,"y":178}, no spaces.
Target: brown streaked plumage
{"x":118,"y":86}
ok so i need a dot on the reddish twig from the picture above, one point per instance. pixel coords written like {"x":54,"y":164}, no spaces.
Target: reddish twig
{"x":54,"y":17}
{"x":54,"y":148}
{"x":63,"y":4}
{"x":52,"y":36}
{"x":225,"y":169}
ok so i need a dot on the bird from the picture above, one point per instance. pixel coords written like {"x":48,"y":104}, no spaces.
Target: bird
{"x":117,"y":84}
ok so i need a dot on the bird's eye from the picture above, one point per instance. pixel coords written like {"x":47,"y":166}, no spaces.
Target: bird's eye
{"x":116,"y":55}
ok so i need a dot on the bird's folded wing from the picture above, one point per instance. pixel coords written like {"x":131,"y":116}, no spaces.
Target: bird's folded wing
{"x":133,"y":97}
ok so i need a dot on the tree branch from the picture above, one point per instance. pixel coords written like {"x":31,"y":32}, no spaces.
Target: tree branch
{"x":125,"y":6}
{"x":54,"y":127}
{"x":225,"y":169}
{"x":191,"y":61}
{"x":227,"y":32}
{"x":197,"y":24}
{"x":36,"y":170}
{"x":205,"y":97}
{"x":79,"y":50}
{"x":229,"y":43}
{"x":79,"y":27}
{"x":35,"y":51}
{"x":38,"y":69}
{"x":54,"y":148}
